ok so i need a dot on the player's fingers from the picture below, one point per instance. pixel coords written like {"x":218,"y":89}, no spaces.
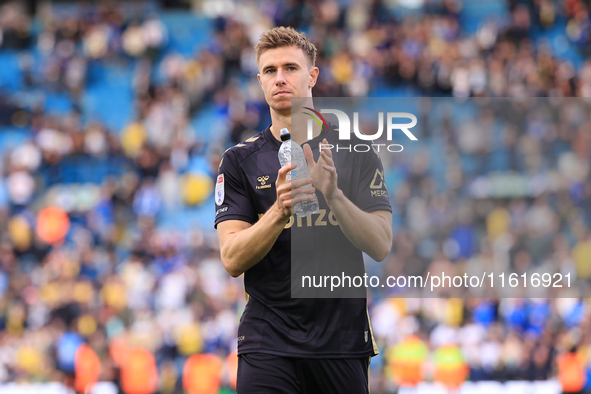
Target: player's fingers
{"x":327,"y":151}
{"x":327,"y":158}
{"x":285,"y":169}
{"x":302,"y":197}
{"x":303,"y":190}
{"x":284,"y":189}
{"x":330,"y":169}
{"x":308,"y":154}
{"x":301,"y":182}
{"x":284,"y":195}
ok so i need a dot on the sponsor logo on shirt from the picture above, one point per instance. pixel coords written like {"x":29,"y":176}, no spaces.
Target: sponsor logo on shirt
{"x":262,"y":182}
{"x":377,"y":185}
{"x":224,"y":209}
{"x":318,"y":219}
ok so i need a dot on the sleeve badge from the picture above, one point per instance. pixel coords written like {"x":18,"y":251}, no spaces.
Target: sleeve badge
{"x":219,"y":190}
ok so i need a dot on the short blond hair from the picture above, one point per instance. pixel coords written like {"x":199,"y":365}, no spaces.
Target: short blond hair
{"x":283,"y":37}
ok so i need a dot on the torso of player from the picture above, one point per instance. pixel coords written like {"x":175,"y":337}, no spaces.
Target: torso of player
{"x":273,"y":322}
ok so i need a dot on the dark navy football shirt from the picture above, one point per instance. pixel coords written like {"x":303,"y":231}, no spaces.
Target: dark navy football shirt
{"x":272,"y":321}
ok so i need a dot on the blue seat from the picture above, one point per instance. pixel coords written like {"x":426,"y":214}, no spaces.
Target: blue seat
{"x":60,"y":103}
{"x":187,"y":218}
{"x":109,"y":95}
{"x":10,"y":73}
{"x":11,"y":137}
{"x":476,"y":12}
{"x":562,"y":47}
{"x":208,"y":123}
{"x":188,"y":33}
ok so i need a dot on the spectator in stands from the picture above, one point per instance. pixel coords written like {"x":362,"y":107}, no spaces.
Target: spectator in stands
{"x":119,"y":278}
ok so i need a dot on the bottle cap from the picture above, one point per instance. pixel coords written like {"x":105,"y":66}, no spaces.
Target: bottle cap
{"x":285,"y":134}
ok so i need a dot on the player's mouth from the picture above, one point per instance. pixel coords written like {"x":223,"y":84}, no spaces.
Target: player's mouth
{"x":282,"y":93}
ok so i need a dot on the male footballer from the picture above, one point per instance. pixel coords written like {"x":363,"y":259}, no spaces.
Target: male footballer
{"x":298,"y":345}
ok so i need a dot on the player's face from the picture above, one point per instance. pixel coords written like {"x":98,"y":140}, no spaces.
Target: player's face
{"x":284,"y":73}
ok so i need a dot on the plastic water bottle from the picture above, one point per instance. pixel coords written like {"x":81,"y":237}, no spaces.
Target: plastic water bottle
{"x":291,"y":152}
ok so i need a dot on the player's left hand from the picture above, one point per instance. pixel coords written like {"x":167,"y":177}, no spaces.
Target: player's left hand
{"x":323,"y":172}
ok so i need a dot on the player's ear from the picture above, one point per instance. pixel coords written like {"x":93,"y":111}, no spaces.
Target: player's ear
{"x":259,"y":78}
{"x":313,"y":76}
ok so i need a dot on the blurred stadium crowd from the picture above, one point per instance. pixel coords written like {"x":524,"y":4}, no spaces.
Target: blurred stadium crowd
{"x":88,"y":250}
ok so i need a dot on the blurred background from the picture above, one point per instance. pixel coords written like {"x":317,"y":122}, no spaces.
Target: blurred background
{"x":113,"y":118}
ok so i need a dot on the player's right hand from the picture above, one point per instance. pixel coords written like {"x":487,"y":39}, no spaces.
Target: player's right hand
{"x":291,"y":193}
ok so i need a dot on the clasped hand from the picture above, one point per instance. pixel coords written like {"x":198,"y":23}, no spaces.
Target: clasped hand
{"x":323,"y":177}
{"x":323,"y":172}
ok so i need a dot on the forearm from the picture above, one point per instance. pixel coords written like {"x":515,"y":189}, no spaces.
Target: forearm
{"x":243,"y":249}
{"x":370,"y":233}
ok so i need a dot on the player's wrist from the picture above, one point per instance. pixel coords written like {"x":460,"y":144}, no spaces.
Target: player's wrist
{"x":335,"y":197}
{"x":280,"y":214}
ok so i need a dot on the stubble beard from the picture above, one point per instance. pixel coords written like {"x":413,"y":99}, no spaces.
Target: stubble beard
{"x":282,"y":107}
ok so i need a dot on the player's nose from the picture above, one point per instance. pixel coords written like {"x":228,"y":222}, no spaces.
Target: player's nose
{"x":280,"y":78}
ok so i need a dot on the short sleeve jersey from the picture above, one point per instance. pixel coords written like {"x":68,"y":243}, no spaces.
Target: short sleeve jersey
{"x":273,"y":322}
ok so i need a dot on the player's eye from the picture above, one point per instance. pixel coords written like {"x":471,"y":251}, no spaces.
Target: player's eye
{"x":269,"y":71}
{"x":291,"y":68}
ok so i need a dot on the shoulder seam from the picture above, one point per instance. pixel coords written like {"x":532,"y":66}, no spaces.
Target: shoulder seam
{"x":254,"y":151}
{"x":241,"y":145}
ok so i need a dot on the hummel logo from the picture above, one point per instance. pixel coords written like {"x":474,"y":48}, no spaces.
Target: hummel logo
{"x":263,"y":179}
{"x":263,"y":182}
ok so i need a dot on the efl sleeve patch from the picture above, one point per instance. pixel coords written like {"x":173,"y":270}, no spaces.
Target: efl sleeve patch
{"x":219,"y":190}
{"x":231,"y":195}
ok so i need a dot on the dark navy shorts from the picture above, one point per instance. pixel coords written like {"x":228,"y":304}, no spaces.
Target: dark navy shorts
{"x":260,"y":373}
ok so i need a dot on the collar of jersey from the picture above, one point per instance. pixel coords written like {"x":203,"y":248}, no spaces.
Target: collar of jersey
{"x":313,"y":142}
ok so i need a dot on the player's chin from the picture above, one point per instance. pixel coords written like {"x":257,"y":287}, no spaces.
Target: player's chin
{"x":282,"y":105}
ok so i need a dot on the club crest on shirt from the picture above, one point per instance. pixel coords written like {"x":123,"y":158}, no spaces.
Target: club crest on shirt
{"x":219,"y":190}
